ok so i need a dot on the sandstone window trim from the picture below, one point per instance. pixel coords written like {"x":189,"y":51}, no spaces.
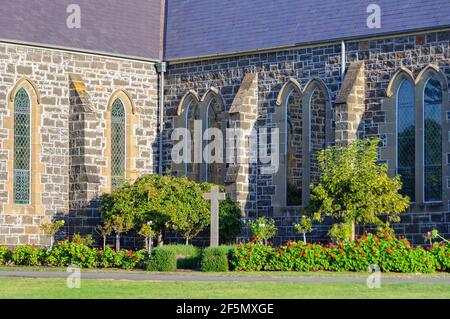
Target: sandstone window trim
{"x":34,"y":206}
{"x":131,"y":148}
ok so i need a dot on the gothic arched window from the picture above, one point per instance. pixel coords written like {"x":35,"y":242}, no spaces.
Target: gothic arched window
{"x":294,"y":149}
{"x":215,"y":167}
{"x":406,"y":128}
{"x":118,"y":144}
{"x":432,"y":117}
{"x":22,"y":148}
{"x":193,"y":166}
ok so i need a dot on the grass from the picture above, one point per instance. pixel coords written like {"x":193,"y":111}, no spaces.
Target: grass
{"x":90,"y":288}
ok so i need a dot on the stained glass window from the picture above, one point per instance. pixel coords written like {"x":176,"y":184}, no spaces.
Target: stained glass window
{"x":118,"y":156}
{"x":22,"y":148}
{"x":432,"y":140}
{"x":406,"y":128}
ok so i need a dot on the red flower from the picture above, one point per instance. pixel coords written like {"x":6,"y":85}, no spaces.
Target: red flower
{"x":362,"y":253}
{"x":341,"y":251}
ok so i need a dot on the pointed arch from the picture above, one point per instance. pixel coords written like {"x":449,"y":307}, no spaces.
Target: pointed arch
{"x":29,"y":205}
{"x":190,"y":96}
{"x":125,"y":97}
{"x":286,"y":90}
{"x":400,"y":75}
{"x":131,"y":151}
{"x":429,"y":71}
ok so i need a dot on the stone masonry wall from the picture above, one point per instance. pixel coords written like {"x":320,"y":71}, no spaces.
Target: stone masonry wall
{"x":381,"y":58}
{"x":70,"y":125}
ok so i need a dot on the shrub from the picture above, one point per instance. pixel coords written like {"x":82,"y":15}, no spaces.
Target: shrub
{"x":251,"y":256}
{"x":106,"y":257}
{"x":28,"y":256}
{"x":66,"y":253}
{"x":128,"y":259}
{"x":263,"y":228}
{"x":215,"y":259}
{"x":5,"y":255}
{"x":390,"y":253}
{"x":298,"y":256}
{"x":162,"y":260}
{"x":441,"y":253}
{"x":188,"y":256}
{"x":230,"y":220}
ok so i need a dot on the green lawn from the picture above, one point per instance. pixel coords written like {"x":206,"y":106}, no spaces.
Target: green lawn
{"x":56,"y":288}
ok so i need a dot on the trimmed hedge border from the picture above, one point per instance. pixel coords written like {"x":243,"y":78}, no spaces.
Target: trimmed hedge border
{"x":215,"y":259}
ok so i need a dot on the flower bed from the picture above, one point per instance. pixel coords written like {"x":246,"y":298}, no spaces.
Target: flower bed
{"x":390,"y":253}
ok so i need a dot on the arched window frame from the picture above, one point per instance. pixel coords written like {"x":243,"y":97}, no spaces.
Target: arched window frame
{"x":131,"y":148}
{"x":390,"y":128}
{"x":203,"y":104}
{"x":421,"y":82}
{"x":281,"y":114}
{"x":34,"y":206}
{"x":206,"y":102}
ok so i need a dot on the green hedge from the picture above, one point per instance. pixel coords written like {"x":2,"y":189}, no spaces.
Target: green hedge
{"x":390,"y":253}
{"x":188,"y":256}
{"x":215,"y":259}
{"x":162,"y":260}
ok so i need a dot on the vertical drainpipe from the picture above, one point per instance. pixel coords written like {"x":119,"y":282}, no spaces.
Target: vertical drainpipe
{"x":161,"y":68}
{"x":343,"y":60}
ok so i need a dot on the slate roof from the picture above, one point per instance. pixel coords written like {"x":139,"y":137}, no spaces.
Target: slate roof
{"x":196,"y":28}
{"x":118,"y":27}
{"x":210,"y":27}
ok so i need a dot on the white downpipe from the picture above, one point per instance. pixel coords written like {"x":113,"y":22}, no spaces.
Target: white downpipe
{"x":343,"y":59}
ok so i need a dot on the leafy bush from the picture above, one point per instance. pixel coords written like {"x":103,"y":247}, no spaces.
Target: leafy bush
{"x":162,"y":260}
{"x":66,"y":253}
{"x":390,"y":253}
{"x":28,"y":256}
{"x":215,"y":259}
{"x":106,"y":258}
{"x":5,"y":255}
{"x":230,"y":220}
{"x":441,"y":253}
{"x":251,"y":256}
{"x":128,"y":259}
{"x":297,"y":256}
{"x":263,"y":228}
{"x":188,"y":256}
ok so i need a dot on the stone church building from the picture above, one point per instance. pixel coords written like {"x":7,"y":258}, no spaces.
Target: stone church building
{"x":91,"y":93}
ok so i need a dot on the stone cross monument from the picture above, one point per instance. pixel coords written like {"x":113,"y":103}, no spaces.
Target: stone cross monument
{"x":214,"y":197}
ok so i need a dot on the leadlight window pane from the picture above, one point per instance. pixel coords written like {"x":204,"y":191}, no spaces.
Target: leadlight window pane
{"x":22,"y":148}
{"x":192,"y":169}
{"x":118,"y":159}
{"x":406,"y":127}
{"x":433,"y":141}
{"x":294,"y":147}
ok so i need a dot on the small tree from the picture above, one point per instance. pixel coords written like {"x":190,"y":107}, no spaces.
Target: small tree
{"x":119,"y":225}
{"x":104,"y":231}
{"x":354,"y":188}
{"x":119,"y":210}
{"x":263,"y":228}
{"x":147,"y":232}
{"x":50,"y":229}
{"x":304,"y":227}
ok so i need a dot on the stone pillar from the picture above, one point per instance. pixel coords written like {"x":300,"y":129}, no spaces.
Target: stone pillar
{"x":85,"y":144}
{"x":241,"y":176}
{"x":350,"y":105}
